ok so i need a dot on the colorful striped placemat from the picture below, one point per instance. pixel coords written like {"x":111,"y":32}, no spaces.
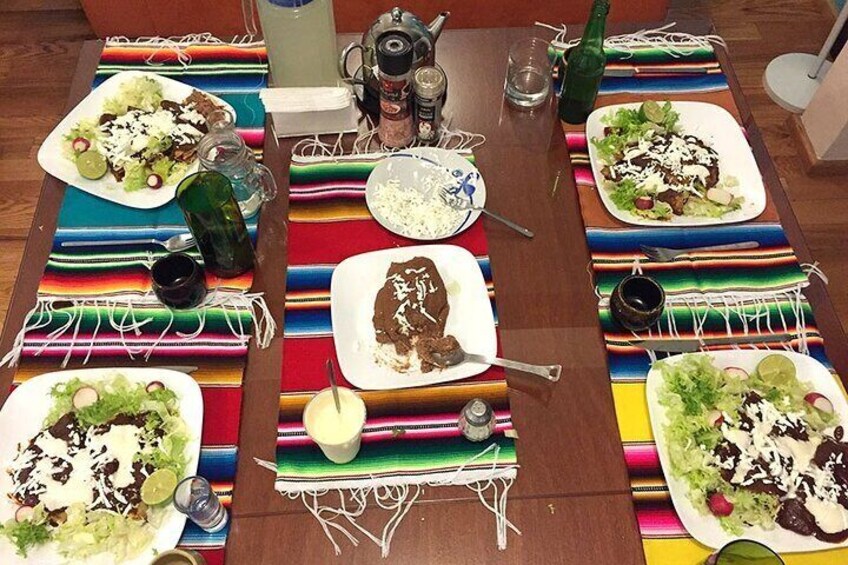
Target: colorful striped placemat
{"x":411,"y":438}
{"x":95,"y":304}
{"x":711,"y":294}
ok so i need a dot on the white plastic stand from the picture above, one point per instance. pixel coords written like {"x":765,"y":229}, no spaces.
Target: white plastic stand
{"x":792,"y":79}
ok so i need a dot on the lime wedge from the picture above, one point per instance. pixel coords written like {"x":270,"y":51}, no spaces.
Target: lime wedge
{"x":652,"y":111}
{"x":776,"y":368}
{"x":92,"y":165}
{"x":158,"y":487}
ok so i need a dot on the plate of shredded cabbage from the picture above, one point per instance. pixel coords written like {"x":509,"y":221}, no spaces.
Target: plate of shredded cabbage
{"x":76,"y":451}
{"x":673,"y":163}
{"x":752,"y":446}
{"x":132,"y":139}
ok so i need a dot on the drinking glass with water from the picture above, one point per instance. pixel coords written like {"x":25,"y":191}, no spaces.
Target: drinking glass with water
{"x":195,"y":498}
{"x":528,"y":73}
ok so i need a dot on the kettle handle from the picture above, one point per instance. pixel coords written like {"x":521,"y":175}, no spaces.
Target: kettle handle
{"x":345,"y":55}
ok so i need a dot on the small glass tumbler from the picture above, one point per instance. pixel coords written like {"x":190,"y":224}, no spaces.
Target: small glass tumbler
{"x":528,"y":73}
{"x":195,"y":498}
{"x":178,"y":281}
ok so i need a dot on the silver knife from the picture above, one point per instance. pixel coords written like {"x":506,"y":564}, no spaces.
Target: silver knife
{"x":693,"y":345}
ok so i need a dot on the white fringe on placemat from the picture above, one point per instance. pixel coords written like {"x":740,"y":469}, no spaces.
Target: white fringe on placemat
{"x":397,"y":495}
{"x":674,"y":43}
{"x":133,"y":320}
{"x":368,"y":143}
{"x":177,"y":44}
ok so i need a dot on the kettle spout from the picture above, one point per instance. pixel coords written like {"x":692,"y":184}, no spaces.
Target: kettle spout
{"x":438,"y":24}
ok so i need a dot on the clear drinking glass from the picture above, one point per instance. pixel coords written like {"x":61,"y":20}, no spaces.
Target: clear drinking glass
{"x":528,"y":73}
{"x":195,"y":498}
{"x":224,"y":151}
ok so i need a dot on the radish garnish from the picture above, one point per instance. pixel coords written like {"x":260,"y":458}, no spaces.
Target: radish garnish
{"x":644,"y":203}
{"x":80,"y":144}
{"x":24,"y":513}
{"x":154,"y":181}
{"x":155,"y":385}
{"x":719,"y":505}
{"x":737,"y":373}
{"x":85,"y":397}
{"x":715,"y":418}
{"x":819,"y":402}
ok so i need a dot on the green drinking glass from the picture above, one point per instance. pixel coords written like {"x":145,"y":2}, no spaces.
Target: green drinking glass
{"x":213,"y":216}
{"x":744,"y":552}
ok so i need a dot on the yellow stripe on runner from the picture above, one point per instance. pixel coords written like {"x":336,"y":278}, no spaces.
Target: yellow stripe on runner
{"x":631,"y":410}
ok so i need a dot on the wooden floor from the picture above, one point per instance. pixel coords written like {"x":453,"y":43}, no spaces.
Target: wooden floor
{"x":40,"y":41}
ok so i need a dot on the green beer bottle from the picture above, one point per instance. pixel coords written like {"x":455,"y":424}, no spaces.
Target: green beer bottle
{"x":585,"y":68}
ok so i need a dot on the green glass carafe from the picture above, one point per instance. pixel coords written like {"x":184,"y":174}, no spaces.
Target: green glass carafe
{"x":213,"y":216}
{"x":585,"y":68}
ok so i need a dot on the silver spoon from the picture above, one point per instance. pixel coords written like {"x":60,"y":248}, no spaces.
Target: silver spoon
{"x":332,"y":376}
{"x":459,"y":356}
{"x":179,"y":242}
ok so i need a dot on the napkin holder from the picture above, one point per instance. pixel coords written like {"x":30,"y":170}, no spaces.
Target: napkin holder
{"x":298,"y":112}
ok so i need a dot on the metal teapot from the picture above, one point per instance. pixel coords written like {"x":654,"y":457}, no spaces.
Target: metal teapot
{"x":423,"y":41}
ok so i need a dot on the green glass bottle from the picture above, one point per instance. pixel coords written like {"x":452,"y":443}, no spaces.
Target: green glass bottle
{"x":215,"y":221}
{"x":585,"y":68}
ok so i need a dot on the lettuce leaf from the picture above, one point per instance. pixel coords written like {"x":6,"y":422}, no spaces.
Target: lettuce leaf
{"x":87,"y":533}
{"x":143,"y":93}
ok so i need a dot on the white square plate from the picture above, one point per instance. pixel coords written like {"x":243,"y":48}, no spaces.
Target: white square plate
{"x":354,"y":287}
{"x":52,"y":158}
{"x":718,"y":129}
{"x":22,"y":417}
{"x":704,"y":527}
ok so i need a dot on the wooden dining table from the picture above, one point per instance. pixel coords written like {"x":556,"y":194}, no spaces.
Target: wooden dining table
{"x":572,"y":499}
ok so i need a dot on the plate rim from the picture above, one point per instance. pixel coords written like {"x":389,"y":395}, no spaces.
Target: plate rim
{"x":631,"y":219}
{"x":53,"y":140}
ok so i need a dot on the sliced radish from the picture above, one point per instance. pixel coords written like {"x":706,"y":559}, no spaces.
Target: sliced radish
{"x":719,"y":505}
{"x":715,"y":418}
{"x":154,"y":181}
{"x":644,"y":203}
{"x":820,"y":402}
{"x":719,"y":196}
{"x":84,"y":397}
{"x":737,"y":373}
{"x":155,"y":385}
{"x":24,"y":513}
{"x":80,"y":144}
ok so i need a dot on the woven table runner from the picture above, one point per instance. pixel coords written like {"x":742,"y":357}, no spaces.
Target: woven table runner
{"x":710,"y":294}
{"x":96,"y":306}
{"x":411,"y":438}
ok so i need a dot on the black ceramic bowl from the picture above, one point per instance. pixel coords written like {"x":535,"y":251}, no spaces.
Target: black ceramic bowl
{"x":178,"y":281}
{"x":637,"y":302}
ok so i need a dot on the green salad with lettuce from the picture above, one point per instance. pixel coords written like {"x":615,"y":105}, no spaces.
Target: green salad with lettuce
{"x":91,"y":481}
{"x":734,"y":438}
{"x":654,"y":170}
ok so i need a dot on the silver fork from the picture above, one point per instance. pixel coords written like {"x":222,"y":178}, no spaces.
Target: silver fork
{"x":665,"y":254}
{"x":460,"y":204}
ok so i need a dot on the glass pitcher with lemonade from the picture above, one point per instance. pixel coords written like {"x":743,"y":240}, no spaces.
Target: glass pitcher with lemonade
{"x":301,"y":39}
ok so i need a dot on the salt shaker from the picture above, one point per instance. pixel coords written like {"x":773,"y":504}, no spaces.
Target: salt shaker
{"x":429,"y":85}
{"x":477,"y":420}
{"x":394,"y":57}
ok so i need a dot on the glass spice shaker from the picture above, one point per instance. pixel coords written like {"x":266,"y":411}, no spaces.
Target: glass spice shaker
{"x":394,"y":58}
{"x":429,"y":85}
{"x":477,"y":420}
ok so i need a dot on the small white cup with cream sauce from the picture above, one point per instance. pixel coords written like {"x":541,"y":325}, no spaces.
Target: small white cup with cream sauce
{"x":338,"y":434}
